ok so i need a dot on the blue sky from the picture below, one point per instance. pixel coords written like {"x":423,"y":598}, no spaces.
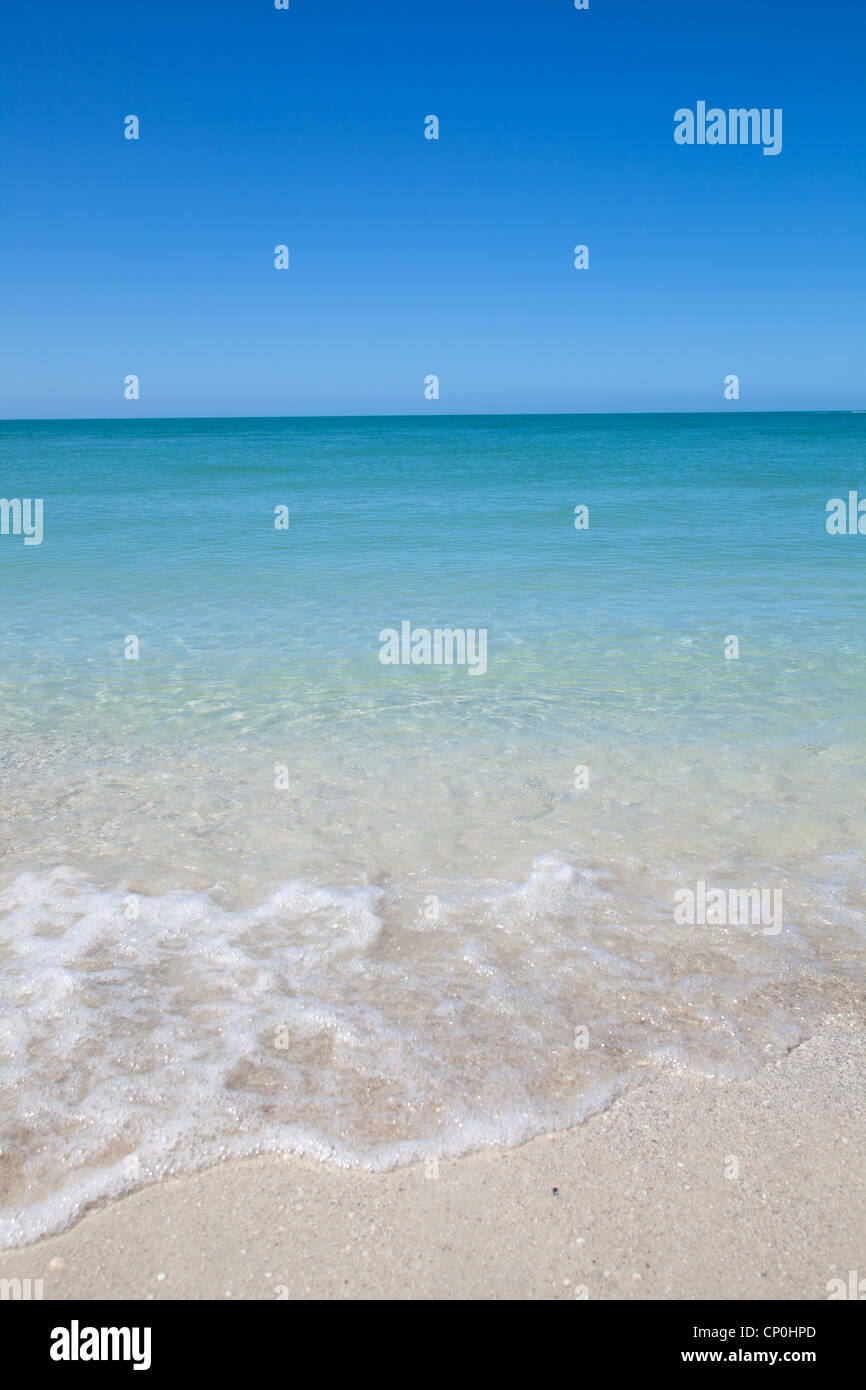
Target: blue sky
{"x":410,"y":256}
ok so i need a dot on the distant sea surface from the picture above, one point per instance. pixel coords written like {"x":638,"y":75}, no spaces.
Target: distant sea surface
{"x":261,"y":892}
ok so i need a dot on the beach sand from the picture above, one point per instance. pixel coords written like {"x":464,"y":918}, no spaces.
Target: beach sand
{"x":634,"y":1204}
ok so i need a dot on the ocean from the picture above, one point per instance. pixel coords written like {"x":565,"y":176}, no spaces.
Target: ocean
{"x":262,"y":891}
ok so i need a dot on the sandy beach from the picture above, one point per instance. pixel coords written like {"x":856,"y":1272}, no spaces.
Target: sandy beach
{"x":634,"y":1204}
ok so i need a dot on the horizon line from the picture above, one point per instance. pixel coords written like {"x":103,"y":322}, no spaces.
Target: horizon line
{"x":425,"y":415}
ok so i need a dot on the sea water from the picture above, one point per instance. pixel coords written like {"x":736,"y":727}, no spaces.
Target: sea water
{"x":263,"y":892}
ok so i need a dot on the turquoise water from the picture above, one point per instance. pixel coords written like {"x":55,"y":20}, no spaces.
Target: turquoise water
{"x":700,"y":526}
{"x":256,"y":825}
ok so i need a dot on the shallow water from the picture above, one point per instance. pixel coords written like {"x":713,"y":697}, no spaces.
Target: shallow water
{"x":261,"y":892}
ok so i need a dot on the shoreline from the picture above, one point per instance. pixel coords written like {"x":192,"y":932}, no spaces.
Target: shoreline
{"x":684,"y":1188}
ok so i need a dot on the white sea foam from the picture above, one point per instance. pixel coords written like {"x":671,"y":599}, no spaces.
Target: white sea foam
{"x":150,"y":1034}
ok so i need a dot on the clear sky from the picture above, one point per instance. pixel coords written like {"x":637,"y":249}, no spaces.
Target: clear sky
{"x":411,"y":256}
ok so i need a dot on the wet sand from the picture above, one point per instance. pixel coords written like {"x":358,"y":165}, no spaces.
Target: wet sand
{"x":687,"y":1188}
